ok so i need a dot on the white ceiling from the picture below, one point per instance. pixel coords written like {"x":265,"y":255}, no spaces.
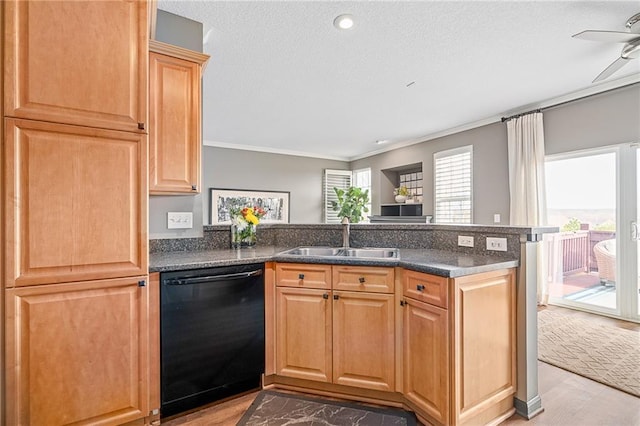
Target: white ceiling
{"x":282,"y":78}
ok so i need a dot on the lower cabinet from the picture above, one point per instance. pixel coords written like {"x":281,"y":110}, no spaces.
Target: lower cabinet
{"x":442,"y":347}
{"x":78,"y":353}
{"x":340,"y":337}
{"x":303,"y":338}
{"x":426,"y":358}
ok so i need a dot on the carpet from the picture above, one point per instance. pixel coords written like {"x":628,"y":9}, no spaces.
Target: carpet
{"x":274,"y":408}
{"x":604,"y":353}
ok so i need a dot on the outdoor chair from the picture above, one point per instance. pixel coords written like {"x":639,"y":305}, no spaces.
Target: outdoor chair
{"x":605,"y":252}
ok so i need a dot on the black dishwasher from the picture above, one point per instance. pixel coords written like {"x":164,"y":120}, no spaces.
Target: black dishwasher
{"x":212,"y":334}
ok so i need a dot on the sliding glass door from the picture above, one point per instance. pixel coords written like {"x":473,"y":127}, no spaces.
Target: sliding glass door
{"x":592,"y":196}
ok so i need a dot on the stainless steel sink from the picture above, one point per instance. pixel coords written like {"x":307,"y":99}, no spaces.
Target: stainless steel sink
{"x":313,"y":251}
{"x":374,"y":253}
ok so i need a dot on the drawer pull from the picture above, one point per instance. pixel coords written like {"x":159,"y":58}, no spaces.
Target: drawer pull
{"x":361,"y":279}
{"x":325,"y":296}
{"x":420,"y":287}
{"x":336,"y":297}
{"x":301,"y":276}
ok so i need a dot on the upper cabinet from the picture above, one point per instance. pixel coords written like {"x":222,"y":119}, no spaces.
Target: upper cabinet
{"x":53,"y":74}
{"x":175,"y":119}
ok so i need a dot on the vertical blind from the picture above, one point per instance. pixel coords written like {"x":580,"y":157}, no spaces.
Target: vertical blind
{"x":338,"y":179}
{"x":453,"y":185}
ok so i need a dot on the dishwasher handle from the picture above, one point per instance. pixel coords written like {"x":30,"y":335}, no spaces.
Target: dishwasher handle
{"x":213,"y":278}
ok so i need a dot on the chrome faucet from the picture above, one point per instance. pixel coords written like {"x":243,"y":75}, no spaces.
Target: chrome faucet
{"x":345,"y":232}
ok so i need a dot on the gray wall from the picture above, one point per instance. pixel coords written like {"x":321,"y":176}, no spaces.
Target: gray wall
{"x":606,"y":119}
{"x":490,"y":171}
{"x":178,"y":30}
{"x":301,"y":176}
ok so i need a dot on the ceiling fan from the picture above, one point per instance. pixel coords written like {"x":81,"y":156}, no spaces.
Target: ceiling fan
{"x":630,"y":38}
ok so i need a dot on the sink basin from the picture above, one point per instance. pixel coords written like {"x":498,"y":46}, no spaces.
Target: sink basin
{"x":374,"y":253}
{"x":314,"y":251}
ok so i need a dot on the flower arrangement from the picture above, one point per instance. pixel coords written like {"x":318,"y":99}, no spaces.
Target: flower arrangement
{"x":243,"y":225}
{"x":402,"y":190}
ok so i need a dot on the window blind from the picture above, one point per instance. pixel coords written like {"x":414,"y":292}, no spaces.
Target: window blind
{"x":338,"y":179}
{"x":453,"y":185}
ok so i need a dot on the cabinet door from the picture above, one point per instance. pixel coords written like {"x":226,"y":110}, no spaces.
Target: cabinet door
{"x":364,"y":340}
{"x":484,"y":341}
{"x":77,"y":353}
{"x":82,"y":63}
{"x":76,"y":204}
{"x":426,"y":359}
{"x":303,"y":334}
{"x":174,"y":117}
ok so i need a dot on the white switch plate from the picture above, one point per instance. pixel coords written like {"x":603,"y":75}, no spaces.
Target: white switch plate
{"x":179,"y":220}
{"x":496,"y":244}
{"x":465,"y":241}
{"x":496,"y":218}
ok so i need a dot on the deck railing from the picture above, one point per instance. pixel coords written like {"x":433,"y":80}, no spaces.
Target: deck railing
{"x":572,"y":252}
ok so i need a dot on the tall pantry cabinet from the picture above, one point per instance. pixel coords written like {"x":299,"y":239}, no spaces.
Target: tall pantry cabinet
{"x":74,"y":212}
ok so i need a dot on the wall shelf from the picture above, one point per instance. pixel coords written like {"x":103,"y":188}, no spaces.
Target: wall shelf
{"x":402,"y":209}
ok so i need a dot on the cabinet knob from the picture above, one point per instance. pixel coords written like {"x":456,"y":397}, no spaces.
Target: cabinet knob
{"x":140,"y":126}
{"x":420,"y":287}
{"x":142,"y":283}
{"x":336,"y":297}
{"x":194,"y":187}
{"x":301,"y":276}
{"x":361,"y":279}
{"x":402,"y":303}
{"x":325,"y":296}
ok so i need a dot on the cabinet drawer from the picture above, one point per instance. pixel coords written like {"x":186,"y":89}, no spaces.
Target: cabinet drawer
{"x":426,"y":288}
{"x":303,"y":275}
{"x":359,"y":278}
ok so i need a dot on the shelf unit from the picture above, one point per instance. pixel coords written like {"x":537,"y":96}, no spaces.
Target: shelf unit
{"x":411,"y":209}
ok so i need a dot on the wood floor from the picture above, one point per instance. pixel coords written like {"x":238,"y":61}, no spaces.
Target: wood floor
{"x":568,"y":399}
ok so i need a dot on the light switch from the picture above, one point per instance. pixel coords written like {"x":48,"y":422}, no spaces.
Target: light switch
{"x":179,"y":220}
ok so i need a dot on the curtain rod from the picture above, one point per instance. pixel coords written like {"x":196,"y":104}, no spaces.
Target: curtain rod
{"x":503,"y":119}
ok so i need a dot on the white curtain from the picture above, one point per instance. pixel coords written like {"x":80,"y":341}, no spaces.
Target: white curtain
{"x":525,"y":139}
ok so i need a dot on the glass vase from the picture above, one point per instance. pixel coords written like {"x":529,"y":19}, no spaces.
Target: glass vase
{"x":245,"y":237}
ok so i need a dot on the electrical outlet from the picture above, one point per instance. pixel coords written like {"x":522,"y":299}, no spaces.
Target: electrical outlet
{"x":496,"y":218}
{"x":465,"y":241}
{"x":496,"y":244}
{"x":179,"y":220}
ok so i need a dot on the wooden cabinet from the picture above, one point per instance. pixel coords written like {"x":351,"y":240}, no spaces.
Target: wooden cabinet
{"x":175,"y":119}
{"x":426,"y":359}
{"x":459,"y":346}
{"x":364,"y":340}
{"x":82,"y":63}
{"x":332,"y":336}
{"x":303,"y":348}
{"x":484,"y":347}
{"x":74,"y":194}
{"x":75,"y":203}
{"x":77,"y":353}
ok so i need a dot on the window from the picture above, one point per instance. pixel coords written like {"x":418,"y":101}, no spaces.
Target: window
{"x":453,"y":185}
{"x":334,"y":179}
{"x":343,"y":179}
{"x":362,"y":179}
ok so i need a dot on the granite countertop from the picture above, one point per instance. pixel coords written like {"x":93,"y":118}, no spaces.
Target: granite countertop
{"x":437,"y":262}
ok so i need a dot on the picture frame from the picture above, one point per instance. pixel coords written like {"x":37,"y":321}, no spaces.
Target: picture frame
{"x":222,"y":200}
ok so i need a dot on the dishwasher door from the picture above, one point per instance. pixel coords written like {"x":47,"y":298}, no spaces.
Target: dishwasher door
{"x":212,"y":334}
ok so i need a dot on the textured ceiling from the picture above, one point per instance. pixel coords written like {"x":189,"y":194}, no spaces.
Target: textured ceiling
{"x":282,"y":78}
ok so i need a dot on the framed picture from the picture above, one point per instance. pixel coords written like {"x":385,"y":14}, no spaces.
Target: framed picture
{"x":222,"y":201}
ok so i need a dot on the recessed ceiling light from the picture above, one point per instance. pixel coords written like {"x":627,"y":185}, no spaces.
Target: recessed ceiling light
{"x":343,"y":22}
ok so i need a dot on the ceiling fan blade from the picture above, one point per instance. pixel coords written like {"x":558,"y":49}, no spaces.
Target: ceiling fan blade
{"x":607,"y":36}
{"x":615,"y":66}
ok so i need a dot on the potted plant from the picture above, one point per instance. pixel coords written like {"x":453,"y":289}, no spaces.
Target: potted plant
{"x":351,"y":203}
{"x":401,"y":193}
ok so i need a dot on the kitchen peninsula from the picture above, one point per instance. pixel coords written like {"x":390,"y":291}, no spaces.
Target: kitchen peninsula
{"x":450,"y":362}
